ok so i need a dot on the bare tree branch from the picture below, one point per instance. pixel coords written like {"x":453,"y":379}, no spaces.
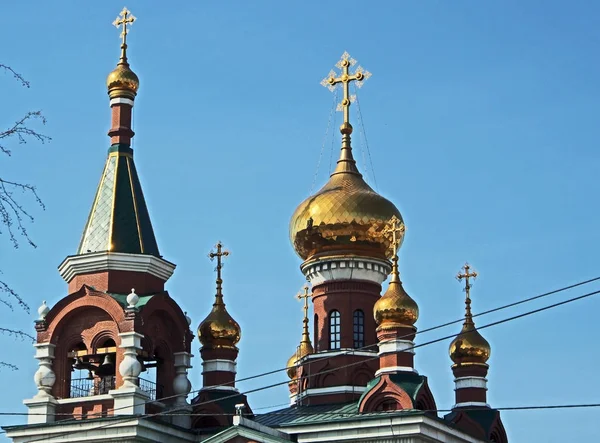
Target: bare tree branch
{"x":15,"y":74}
{"x":13,"y":213}
{"x":8,"y":366}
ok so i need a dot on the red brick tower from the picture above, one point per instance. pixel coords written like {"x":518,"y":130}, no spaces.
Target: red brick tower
{"x":219,"y":333}
{"x":470,"y":352}
{"x":338,"y":232}
{"x":105,"y":348}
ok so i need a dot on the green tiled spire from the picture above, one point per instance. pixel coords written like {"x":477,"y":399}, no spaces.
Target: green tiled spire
{"x":119,"y":219}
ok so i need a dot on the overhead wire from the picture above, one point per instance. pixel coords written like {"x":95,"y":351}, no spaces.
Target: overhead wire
{"x":433,"y":328}
{"x":495,"y":323}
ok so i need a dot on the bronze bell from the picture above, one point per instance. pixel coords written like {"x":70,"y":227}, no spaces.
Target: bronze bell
{"x":107,"y":367}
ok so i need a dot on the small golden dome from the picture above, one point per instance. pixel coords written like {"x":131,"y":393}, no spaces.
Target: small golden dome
{"x":219,"y":329}
{"x":469,"y":346}
{"x":395,"y":308}
{"x":345,"y":216}
{"x":304,"y":349}
{"x":122,"y":81}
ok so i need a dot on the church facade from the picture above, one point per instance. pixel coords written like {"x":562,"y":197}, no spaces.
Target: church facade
{"x":113,"y":361}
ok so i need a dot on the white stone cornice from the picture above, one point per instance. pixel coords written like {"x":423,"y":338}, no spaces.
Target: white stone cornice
{"x":344,"y":389}
{"x":114,"y":261}
{"x":395,"y":369}
{"x":471,"y":403}
{"x":121,"y":100}
{"x":323,"y":270}
{"x":470,"y":382}
{"x":331,"y":354}
{"x":397,"y":345}
{"x":219,"y":365}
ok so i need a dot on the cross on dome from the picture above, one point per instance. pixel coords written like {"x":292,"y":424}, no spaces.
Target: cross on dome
{"x":331,"y":81}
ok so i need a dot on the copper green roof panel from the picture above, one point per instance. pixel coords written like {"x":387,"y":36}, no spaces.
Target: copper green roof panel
{"x":119,"y":219}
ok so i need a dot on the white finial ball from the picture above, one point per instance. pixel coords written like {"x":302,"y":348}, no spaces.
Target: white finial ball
{"x":189,"y":320}
{"x":132,"y":299}
{"x":43,"y":310}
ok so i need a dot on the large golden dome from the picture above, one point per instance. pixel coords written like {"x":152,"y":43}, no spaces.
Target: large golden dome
{"x":345,"y":216}
{"x":469,"y":347}
{"x":219,"y":329}
{"x":395,"y":308}
{"x":122,"y":81}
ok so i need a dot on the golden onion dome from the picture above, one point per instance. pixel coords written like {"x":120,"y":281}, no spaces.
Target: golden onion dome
{"x":304,"y":349}
{"x":219,"y":329}
{"x":292,"y":370}
{"x":395,"y":308}
{"x":469,"y":347}
{"x":345,"y":216}
{"x":122,"y":81}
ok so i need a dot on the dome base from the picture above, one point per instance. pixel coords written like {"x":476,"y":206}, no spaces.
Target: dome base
{"x":322,"y":270}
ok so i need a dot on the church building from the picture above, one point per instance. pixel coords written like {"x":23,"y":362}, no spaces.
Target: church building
{"x":115,"y":351}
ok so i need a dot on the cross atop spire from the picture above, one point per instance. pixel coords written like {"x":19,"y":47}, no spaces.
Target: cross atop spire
{"x":395,"y":228}
{"x":219,"y":256}
{"x":304,"y":295}
{"x":123,"y":19}
{"x":359,"y":75}
{"x":466,"y":275}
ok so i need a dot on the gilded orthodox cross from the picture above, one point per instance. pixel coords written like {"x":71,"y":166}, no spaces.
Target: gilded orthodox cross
{"x":331,"y":81}
{"x":123,"y":19}
{"x":304,"y":295}
{"x":466,"y":275}
{"x":396,"y":228}
{"x":219,"y":256}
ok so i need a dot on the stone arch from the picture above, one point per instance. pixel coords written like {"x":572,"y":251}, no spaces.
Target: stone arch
{"x":385,"y":396}
{"x":165,"y":308}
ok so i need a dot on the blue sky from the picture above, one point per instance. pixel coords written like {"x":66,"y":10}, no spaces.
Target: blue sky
{"x":482,"y":128}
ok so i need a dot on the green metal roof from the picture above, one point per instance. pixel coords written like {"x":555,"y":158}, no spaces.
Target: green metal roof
{"x":122,"y":299}
{"x":119,"y":219}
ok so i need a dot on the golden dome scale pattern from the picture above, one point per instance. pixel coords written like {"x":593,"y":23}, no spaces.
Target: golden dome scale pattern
{"x":345,"y":216}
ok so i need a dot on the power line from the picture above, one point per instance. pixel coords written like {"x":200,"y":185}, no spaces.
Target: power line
{"x":352,"y":351}
{"x":505,"y":320}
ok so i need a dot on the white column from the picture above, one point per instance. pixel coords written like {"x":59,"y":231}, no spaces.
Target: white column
{"x":42,"y":406}
{"x":181,"y":388}
{"x":129,"y":398}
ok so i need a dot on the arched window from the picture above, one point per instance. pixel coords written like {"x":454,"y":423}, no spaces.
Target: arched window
{"x":359,"y":328}
{"x":334,"y":330}
{"x":316,"y":326}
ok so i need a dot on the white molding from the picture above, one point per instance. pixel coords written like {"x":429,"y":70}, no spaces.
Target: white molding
{"x":344,"y":389}
{"x":330,"y":354}
{"x":219,"y":365}
{"x":393,"y":427}
{"x":121,"y":100}
{"x":88,"y":399}
{"x":395,"y":346}
{"x":394,"y":369}
{"x":470,"y":382}
{"x":354,"y":268}
{"x":470,"y":403}
{"x":220,"y":388}
{"x":114,"y":261}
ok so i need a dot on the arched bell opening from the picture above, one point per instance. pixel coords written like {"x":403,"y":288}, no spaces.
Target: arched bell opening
{"x":93,"y":371}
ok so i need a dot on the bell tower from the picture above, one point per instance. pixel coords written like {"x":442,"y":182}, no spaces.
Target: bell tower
{"x":105,"y":348}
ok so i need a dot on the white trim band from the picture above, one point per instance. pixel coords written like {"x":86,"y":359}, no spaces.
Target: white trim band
{"x":219,"y":365}
{"x":394,"y":346}
{"x":470,"y":382}
{"x":470,"y":403}
{"x":345,"y":389}
{"x":389,"y":369}
{"x":346,"y":268}
{"x":121,"y":100}
{"x":114,"y":261}
{"x":220,"y":388}
{"x":330,"y":354}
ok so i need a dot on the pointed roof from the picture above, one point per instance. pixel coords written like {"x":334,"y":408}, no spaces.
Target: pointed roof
{"x":119,"y":220}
